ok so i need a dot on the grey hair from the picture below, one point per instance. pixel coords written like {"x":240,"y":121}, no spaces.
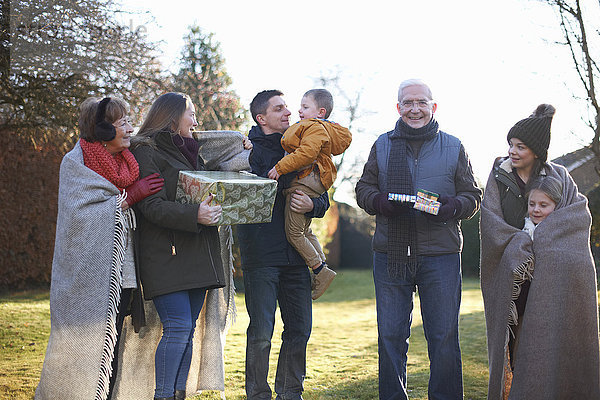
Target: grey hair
{"x":552,"y":187}
{"x":413,"y":82}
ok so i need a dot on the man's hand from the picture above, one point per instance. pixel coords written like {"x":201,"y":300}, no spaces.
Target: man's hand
{"x":449,"y":209}
{"x":300,"y":203}
{"x":386,"y":207}
{"x":208,"y":214}
{"x":273,"y":174}
{"x":247,"y":143}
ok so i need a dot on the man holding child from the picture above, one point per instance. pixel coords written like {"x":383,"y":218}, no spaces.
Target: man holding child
{"x":274,"y":272}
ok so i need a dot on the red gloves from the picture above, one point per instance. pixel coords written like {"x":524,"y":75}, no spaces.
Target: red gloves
{"x":143,"y":188}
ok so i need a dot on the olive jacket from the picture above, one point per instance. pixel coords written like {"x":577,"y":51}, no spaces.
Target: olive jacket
{"x":512,"y":202}
{"x":175,"y":251}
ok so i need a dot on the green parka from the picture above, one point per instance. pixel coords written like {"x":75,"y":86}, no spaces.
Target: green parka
{"x":175,"y":251}
{"x":513,"y":203}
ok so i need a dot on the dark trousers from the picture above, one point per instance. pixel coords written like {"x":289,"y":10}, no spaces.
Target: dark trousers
{"x":264,"y":288}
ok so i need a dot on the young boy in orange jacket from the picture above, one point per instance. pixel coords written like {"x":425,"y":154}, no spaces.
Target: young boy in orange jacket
{"x":311,"y":143}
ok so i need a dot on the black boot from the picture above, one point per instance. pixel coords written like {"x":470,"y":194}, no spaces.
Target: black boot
{"x":180,"y":395}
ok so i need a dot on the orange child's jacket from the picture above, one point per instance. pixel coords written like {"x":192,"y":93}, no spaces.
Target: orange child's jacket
{"x":312,"y":142}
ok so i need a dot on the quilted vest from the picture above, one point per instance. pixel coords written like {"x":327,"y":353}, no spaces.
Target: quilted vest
{"x":433,"y":170}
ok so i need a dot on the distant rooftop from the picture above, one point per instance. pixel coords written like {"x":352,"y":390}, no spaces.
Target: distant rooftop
{"x":580,"y":164}
{"x":575,"y":158}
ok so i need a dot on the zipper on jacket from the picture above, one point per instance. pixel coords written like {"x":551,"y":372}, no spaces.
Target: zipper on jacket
{"x":414,"y":174}
{"x":173,"y":250}
{"x":212,"y":263}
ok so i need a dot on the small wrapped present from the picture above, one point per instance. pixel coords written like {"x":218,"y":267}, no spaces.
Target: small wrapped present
{"x":402,"y":198}
{"x":427,"y":202}
{"x":244,"y":197}
{"x":424,"y":200}
{"x":427,"y":195}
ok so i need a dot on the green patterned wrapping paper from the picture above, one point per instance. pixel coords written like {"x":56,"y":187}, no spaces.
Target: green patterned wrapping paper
{"x":245,"y":198}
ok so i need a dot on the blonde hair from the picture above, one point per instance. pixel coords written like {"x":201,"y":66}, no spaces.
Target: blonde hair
{"x":116,"y":109}
{"x":323,"y":99}
{"x":550,"y":186}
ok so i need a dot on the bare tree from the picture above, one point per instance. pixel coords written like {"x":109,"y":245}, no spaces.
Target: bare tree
{"x":578,"y":39}
{"x":352,"y":109}
{"x":55,"y":53}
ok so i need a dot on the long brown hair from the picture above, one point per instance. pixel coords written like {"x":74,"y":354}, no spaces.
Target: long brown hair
{"x":164,"y":115}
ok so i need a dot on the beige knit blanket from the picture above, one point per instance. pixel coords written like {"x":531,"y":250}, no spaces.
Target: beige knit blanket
{"x":556,"y":354}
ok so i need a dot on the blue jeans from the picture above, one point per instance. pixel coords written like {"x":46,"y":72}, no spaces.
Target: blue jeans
{"x":178,"y":312}
{"x":264,"y":288}
{"x":439,"y":282}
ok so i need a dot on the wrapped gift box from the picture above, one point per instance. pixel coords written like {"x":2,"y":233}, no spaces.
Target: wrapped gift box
{"x":427,"y":201}
{"x":424,"y":200}
{"x":245,"y":198}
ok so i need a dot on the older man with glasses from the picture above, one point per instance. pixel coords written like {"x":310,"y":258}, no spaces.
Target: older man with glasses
{"x":418,"y":249}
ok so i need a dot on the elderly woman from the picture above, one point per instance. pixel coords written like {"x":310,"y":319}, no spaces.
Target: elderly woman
{"x":539,"y":294}
{"x":93,"y":271}
{"x":180,"y":253}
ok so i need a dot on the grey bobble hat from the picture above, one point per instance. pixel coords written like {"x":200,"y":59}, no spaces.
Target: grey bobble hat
{"x":534,"y":130}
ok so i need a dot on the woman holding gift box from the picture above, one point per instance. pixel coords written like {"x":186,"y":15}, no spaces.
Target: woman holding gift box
{"x":180,"y":255}
{"x":93,"y":271}
{"x":539,"y":294}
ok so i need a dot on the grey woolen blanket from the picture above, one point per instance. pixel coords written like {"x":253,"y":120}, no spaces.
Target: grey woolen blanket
{"x":86,"y":284}
{"x":556,"y":355}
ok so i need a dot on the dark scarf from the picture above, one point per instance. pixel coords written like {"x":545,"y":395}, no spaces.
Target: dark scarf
{"x":188,"y":147}
{"x":402,"y":229}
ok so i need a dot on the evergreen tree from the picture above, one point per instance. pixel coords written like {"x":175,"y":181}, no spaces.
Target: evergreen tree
{"x":203,"y":77}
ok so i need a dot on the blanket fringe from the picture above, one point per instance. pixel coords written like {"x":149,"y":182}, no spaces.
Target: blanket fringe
{"x":129,"y":213}
{"x":116,"y":281}
{"x":521,"y":274}
{"x":231,"y":309}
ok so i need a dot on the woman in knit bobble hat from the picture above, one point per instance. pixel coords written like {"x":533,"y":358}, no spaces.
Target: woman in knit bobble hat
{"x":539,"y":294}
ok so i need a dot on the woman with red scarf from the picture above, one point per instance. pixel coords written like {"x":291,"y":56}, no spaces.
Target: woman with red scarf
{"x":94,"y":279}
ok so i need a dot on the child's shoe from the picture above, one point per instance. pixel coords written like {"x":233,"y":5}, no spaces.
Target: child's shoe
{"x":321,"y":281}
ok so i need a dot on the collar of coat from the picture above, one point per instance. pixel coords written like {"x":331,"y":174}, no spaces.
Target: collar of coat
{"x":506,"y":166}
{"x":164,"y":141}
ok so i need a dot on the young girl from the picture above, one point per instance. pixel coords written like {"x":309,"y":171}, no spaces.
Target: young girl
{"x":544,"y":194}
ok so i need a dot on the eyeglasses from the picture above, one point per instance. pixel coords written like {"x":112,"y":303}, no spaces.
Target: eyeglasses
{"x":407,"y":104}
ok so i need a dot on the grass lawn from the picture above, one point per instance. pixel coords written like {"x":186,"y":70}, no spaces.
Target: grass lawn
{"x":342,"y":352}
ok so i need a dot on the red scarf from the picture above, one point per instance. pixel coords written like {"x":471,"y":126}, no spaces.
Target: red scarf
{"x":121,"y":169}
